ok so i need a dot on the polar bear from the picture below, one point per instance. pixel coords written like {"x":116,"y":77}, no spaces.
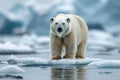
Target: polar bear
{"x":69,"y":32}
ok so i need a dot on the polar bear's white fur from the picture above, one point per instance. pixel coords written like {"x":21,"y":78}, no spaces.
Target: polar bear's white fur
{"x":72,"y":36}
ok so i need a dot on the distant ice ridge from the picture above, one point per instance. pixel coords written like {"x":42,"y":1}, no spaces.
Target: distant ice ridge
{"x":11,"y":69}
{"x":9,"y":46}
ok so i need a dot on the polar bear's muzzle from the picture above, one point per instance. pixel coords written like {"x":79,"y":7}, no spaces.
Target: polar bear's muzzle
{"x":59,"y":29}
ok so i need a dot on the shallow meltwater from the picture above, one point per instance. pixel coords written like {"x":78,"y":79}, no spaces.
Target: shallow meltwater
{"x":101,"y":62}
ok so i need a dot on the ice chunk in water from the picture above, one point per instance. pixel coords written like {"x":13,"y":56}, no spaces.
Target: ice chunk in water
{"x":12,"y":59}
{"x":11,"y":69}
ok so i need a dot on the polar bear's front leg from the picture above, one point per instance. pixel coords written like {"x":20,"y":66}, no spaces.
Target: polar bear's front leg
{"x":70,"y":46}
{"x":56,"y":47}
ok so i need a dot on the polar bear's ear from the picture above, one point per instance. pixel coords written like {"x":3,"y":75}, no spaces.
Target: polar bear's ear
{"x":68,"y":20}
{"x":51,"y":20}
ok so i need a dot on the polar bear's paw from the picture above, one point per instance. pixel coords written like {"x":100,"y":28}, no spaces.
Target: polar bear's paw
{"x":56,"y":57}
{"x":69,"y":56}
{"x":79,"y":57}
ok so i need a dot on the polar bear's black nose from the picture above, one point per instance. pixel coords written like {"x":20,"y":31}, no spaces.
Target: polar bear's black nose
{"x":59,"y":29}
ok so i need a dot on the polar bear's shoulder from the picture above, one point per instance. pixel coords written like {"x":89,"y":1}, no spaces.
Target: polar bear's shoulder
{"x":80,"y":20}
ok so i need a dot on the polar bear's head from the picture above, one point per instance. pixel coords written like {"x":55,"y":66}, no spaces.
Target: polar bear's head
{"x":60,"y":25}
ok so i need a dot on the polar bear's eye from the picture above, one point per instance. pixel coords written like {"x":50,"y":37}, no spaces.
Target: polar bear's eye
{"x":63,"y":23}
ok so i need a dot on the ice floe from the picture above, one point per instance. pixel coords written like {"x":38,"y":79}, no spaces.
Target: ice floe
{"x":11,"y":69}
{"x":9,"y":47}
{"x":32,"y":61}
{"x":27,"y":61}
{"x":105,"y":64}
{"x":90,"y":62}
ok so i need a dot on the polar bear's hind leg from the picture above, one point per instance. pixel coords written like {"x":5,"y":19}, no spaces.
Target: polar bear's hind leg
{"x":81,"y":49}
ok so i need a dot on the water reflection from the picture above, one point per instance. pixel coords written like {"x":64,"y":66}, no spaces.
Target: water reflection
{"x":71,"y":73}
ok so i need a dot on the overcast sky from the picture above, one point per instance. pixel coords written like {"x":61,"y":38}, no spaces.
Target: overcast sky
{"x":7,"y":4}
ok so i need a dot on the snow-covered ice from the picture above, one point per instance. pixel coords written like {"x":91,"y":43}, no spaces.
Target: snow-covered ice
{"x":32,"y":61}
{"x":11,"y":69}
{"x":26,"y":61}
{"x":12,"y":59}
{"x":34,"y":39}
{"x":90,"y":62}
{"x":8,"y":47}
{"x":74,"y":61}
{"x":105,"y":64}
{"x":100,"y":38}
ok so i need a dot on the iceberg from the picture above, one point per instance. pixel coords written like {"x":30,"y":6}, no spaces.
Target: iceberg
{"x":36,"y":13}
{"x":15,"y":20}
{"x":11,"y":69}
{"x":12,"y":59}
{"x":26,"y":14}
{"x":8,"y":22}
